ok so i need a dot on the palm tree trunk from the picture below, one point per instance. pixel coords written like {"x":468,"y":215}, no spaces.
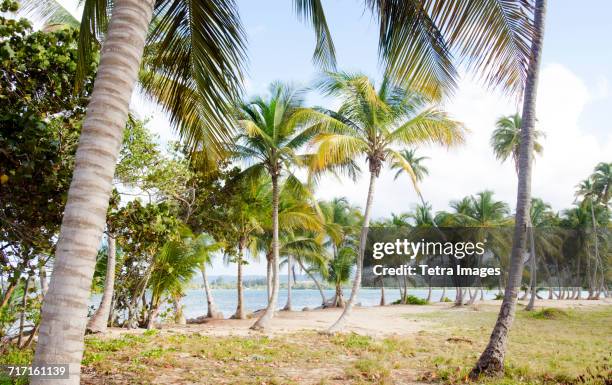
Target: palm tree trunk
{"x":443,"y":296}
{"x":289,"y":266}
{"x":323,"y":299}
{"x":339,"y":297}
{"x":533,"y":271}
{"x":339,"y":324}
{"x":383,"y":302}
{"x":24,"y":302}
{"x":44,"y":285}
{"x":154,"y":311}
{"x":597,"y":260}
{"x":98,"y":322}
{"x":492,"y":359}
{"x":179,"y":316}
{"x":64,"y":312}
{"x":212,"y":311}
{"x":239,"y":287}
{"x":264,"y":321}
{"x":269,"y":277}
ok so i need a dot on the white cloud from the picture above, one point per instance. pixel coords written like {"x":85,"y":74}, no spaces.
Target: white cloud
{"x":570,"y":153}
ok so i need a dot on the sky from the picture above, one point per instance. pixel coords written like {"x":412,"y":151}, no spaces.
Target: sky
{"x":574,"y":100}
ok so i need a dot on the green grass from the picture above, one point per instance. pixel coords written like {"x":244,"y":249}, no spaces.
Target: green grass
{"x":547,"y":347}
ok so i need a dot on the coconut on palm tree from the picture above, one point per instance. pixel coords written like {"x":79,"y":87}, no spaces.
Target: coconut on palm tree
{"x":371,"y":123}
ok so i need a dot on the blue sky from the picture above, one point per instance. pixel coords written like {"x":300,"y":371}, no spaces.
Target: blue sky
{"x":573,"y":102}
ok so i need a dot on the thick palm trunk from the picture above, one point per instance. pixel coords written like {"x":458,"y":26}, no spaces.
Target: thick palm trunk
{"x":289,"y":266}
{"x":264,"y":321}
{"x":64,"y":313}
{"x":339,"y":324}
{"x":98,"y":322}
{"x":492,"y":359}
{"x":323,"y":299}
{"x":212,"y":311}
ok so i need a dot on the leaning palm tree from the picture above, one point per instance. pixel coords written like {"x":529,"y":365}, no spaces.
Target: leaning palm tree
{"x":416,"y":164}
{"x":369,"y":123}
{"x":270,"y":140}
{"x":491,"y":360}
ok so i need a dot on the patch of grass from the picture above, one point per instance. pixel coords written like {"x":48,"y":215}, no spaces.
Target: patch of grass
{"x":352,"y":341}
{"x":569,"y":348}
{"x":549,"y":313}
{"x":371,"y":369}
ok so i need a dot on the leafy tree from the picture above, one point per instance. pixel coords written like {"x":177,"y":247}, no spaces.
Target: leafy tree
{"x":39,"y":128}
{"x":141,"y":232}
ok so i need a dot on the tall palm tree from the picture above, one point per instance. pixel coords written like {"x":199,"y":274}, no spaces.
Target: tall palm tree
{"x":270,"y":141}
{"x":64,"y":312}
{"x":505,"y":139}
{"x":370,"y":123}
{"x":491,"y":360}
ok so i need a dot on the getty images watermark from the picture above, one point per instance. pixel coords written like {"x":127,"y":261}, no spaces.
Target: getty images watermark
{"x":474,"y":256}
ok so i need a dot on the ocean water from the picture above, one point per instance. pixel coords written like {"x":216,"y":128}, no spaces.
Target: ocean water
{"x":195,"y":300}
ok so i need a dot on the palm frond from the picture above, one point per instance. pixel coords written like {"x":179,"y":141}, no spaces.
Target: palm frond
{"x":430,"y":126}
{"x":491,"y":36}
{"x":49,"y":12}
{"x":197,"y":48}
{"x":413,"y":48}
{"x":312,"y":12}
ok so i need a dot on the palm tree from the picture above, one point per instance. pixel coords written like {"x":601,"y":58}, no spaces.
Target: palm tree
{"x":370,"y":123}
{"x":543,"y":241}
{"x":65,"y":308}
{"x":485,"y":216}
{"x":64,"y":312}
{"x":342,"y":221}
{"x":173,"y":269}
{"x":270,"y":140}
{"x":491,"y":360}
{"x":204,"y":247}
{"x":506,"y":137}
{"x":301,"y":246}
{"x":419,"y":170}
{"x":505,"y":142}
